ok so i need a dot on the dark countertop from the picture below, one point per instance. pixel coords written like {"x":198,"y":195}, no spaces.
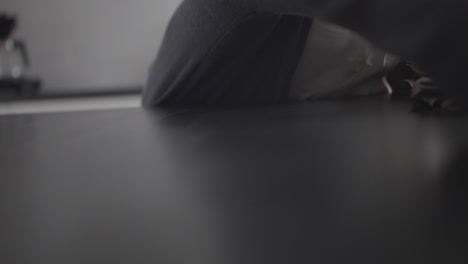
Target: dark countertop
{"x":331,"y":182}
{"x":12,"y":95}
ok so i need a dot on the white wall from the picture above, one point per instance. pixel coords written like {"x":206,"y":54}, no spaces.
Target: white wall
{"x":91,"y":43}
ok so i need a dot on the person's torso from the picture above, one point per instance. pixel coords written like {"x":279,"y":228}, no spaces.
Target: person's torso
{"x":219,"y":52}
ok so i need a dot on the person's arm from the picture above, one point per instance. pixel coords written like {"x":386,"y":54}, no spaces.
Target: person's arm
{"x":434,"y":33}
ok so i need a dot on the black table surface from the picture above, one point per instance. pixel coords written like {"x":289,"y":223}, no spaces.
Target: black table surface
{"x":330,"y":182}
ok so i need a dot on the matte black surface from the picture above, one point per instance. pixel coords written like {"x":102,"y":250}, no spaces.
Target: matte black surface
{"x":14,"y":89}
{"x":329,"y":183}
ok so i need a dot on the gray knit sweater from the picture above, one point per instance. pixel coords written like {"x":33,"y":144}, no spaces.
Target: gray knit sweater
{"x":222,"y":52}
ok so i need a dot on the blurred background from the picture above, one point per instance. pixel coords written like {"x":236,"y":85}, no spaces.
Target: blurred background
{"x":86,"y":48}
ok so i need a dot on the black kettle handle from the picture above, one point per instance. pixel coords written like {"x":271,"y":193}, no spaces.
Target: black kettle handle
{"x":24,"y":51}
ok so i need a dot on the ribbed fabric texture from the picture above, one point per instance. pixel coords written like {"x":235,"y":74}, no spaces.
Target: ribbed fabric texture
{"x":221,"y":53}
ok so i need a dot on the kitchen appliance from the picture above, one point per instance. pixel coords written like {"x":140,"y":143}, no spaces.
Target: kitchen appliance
{"x":15,"y":80}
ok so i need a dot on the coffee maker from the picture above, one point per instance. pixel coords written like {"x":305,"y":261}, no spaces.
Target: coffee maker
{"x":15,"y":79}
